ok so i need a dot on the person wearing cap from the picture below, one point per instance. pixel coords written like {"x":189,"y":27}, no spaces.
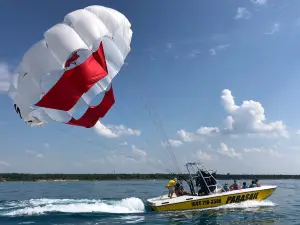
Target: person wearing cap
{"x":235,"y":186}
{"x":225,"y":187}
{"x":171,"y":184}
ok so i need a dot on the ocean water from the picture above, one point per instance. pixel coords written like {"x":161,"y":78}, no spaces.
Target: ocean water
{"x":124,"y":202}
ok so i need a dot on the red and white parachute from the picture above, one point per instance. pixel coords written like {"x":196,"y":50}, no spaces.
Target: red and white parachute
{"x":60,"y":76}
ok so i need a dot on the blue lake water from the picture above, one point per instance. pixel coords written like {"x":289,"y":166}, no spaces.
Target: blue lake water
{"x":124,"y":202}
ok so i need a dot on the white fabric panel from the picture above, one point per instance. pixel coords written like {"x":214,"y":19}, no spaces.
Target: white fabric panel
{"x":44,"y":63}
{"x":87,"y":26}
{"x":62,"y":40}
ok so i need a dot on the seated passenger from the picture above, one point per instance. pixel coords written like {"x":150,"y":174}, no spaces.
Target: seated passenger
{"x":244,"y":185}
{"x":181,"y":191}
{"x":235,"y":186}
{"x":177,"y":189}
{"x":225,"y":187}
{"x":256,"y":182}
{"x":252,"y":185}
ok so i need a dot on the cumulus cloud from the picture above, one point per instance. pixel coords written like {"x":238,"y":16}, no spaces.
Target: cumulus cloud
{"x":259,"y":2}
{"x":249,"y":118}
{"x":34,"y":153}
{"x":185,"y":136}
{"x":114,"y":131}
{"x":242,"y":13}
{"x":269,"y":151}
{"x":169,"y":45}
{"x":5,"y":75}
{"x":208,"y":131}
{"x":173,"y":143}
{"x":203,"y":156}
{"x":139,"y":153}
{"x":46,"y":145}
{"x":228,"y":151}
{"x":213,"y":51}
{"x":274,"y":29}
{"x":3,"y":163}
{"x":125,"y":143}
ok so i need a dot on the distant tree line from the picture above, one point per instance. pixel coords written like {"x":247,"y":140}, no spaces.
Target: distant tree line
{"x":134,"y":176}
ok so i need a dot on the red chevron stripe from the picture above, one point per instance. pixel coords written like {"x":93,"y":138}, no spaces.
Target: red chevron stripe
{"x":94,"y":113}
{"x":75,"y":82}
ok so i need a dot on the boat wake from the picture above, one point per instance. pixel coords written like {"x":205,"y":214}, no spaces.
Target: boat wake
{"x":131,"y":205}
{"x":43,"y":206}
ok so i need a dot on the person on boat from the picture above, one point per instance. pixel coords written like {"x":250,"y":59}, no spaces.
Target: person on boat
{"x":253,"y":184}
{"x":235,"y":186}
{"x":171,"y":184}
{"x":177,"y":189}
{"x":244,"y":185}
{"x":256,"y":182}
{"x":225,"y":187}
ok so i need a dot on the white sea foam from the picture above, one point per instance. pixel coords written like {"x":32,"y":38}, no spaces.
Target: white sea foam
{"x":42,"y":206}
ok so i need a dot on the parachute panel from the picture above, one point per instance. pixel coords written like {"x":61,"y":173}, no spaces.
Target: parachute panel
{"x":62,"y":76}
{"x":88,"y":26}
{"x":62,"y":40}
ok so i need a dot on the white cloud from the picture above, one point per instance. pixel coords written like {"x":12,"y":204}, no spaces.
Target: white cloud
{"x":173,"y":143}
{"x":242,"y":13}
{"x":264,"y":150}
{"x":194,"y":53}
{"x":3,"y":163}
{"x":46,"y":145}
{"x":5,"y":76}
{"x":34,"y":153}
{"x":113,"y":131}
{"x":169,"y":45}
{"x":298,"y":132}
{"x":274,"y":29}
{"x":213,"y":51}
{"x":139,"y":153}
{"x":203,"y":156}
{"x":208,"y":131}
{"x":186,"y":136}
{"x":249,"y":118}
{"x":259,"y":2}
{"x":104,"y":131}
{"x":228,"y":151}
{"x":125,"y":143}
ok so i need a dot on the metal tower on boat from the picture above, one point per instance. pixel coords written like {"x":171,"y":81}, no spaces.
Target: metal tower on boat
{"x":201,"y":180}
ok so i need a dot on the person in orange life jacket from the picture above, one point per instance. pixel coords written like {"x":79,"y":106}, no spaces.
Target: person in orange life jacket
{"x":235,"y":186}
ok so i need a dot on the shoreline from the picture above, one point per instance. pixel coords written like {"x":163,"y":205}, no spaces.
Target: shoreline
{"x":26,"y":177}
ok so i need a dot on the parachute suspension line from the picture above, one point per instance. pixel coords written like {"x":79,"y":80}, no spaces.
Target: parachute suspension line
{"x":161,"y":130}
{"x":144,"y":139}
{"x":168,"y":142}
{"x":150,"y":114}
{"x":107,"y":149}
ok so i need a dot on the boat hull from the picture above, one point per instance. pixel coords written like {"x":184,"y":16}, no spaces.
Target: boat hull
{"x":187,"y":202}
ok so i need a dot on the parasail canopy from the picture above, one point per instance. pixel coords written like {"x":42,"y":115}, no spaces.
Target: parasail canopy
{"x":59,"y":77}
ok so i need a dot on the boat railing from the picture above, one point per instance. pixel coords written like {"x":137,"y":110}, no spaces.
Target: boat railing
{"x":202,"y":176}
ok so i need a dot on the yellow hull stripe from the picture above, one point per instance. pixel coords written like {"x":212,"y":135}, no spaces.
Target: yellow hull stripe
{"x":216,"y":201}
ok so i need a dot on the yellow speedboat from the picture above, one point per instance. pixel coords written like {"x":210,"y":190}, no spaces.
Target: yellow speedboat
{"x":206,"y":192}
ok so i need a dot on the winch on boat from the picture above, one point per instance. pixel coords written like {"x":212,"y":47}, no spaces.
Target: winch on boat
{"x":206,"y":192}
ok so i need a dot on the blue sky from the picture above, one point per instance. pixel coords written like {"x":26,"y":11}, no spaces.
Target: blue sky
{"x":184,"y":57}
